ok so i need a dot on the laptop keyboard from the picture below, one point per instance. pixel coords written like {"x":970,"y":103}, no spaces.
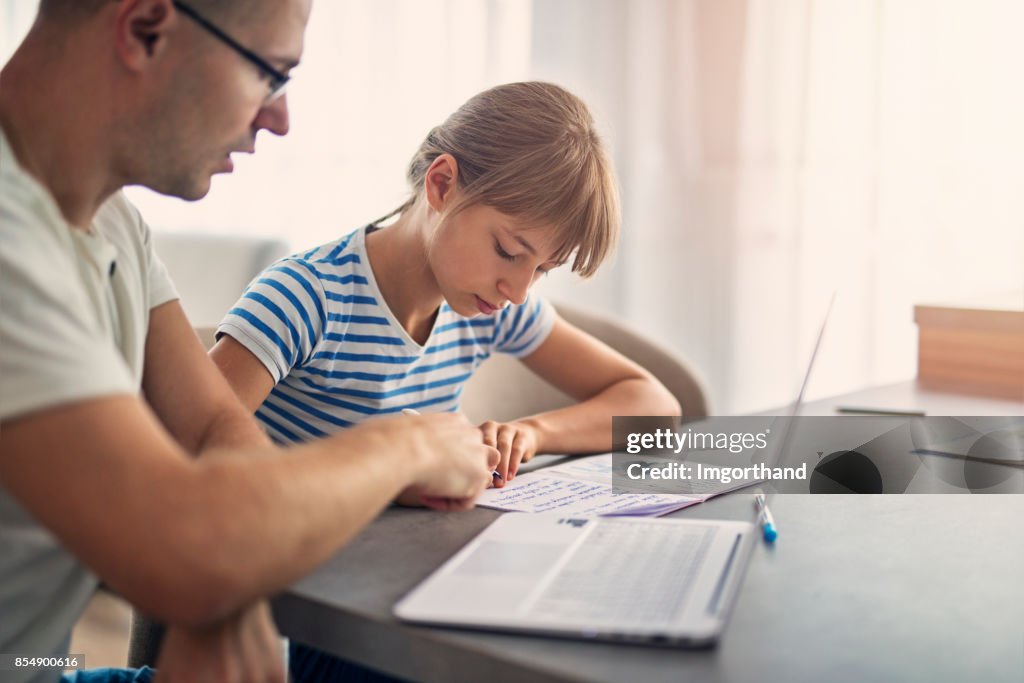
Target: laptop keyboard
{"x":634,"y":574}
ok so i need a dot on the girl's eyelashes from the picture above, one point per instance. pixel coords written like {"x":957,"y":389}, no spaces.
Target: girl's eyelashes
{"x":502,"y":253}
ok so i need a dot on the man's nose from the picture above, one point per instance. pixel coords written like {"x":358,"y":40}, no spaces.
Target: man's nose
{"x":273,"y":116}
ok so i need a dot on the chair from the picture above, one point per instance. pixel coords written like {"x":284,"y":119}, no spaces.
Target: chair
{"x":211,"y":270}
{"x":207,"y":336}
{"x":144,"y":641}
{"x":504,"y":389}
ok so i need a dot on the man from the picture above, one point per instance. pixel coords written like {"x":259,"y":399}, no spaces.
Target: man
{"x":96,"y":480}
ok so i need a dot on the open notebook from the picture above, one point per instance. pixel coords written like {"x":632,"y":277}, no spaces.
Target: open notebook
{"x":583,"y":486}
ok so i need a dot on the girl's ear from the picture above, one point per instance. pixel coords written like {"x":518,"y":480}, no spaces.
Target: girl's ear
{"x":440,"y":181}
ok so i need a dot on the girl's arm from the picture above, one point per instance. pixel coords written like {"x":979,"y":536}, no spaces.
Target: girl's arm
{"x":605,"y":383}
{"x":176,"y":366}
{"x":244,"y":372}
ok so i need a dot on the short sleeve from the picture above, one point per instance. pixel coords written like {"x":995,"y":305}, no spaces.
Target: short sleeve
{"x":124,"y":226}
{"x":280,"y":317}
{"x":53,"y":348}
{"x":519,"y":330}
{"x":161,"y":287}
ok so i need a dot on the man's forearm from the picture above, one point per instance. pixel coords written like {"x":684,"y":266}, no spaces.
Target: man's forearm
{"x":306,"y":503}
{"x":192,"y":540}
{"x":233,"y":527}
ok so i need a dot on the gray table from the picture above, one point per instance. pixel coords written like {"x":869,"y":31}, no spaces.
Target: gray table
{"x":858,"y":588}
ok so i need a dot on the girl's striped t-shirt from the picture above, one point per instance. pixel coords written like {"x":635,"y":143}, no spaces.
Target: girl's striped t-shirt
{"x":318,"y":323}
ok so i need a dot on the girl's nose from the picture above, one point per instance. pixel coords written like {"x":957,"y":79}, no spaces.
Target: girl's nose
{"x":515,"y":288}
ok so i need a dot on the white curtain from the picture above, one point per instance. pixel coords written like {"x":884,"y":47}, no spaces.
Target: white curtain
{"x":769,"y":153}
{"x":15,"y":18}
{"x":774,"y":152}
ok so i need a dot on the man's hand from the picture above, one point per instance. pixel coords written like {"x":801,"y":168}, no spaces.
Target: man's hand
{"x":516,"y":443}
{"x":454,"y":463}
{"x":242,"y":648}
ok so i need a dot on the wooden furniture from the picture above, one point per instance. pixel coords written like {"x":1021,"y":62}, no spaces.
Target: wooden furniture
{"x":972,"y":349}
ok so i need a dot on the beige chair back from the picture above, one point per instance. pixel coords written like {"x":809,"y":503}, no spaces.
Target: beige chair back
{"x":211,"y":271}
{"x":207,"y":335}
{"x":504,"y":389}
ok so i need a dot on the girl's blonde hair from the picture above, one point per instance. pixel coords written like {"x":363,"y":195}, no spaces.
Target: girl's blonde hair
{"x":530,"y":150}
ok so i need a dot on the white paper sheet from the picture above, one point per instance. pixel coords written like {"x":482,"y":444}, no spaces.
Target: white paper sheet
{"x":580,"y":486}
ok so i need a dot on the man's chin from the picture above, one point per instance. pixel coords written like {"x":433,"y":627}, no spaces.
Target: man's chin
{"x":191,"y":191}
{"x":193,"y":196}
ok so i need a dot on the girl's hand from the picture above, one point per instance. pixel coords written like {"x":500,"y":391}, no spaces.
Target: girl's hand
{"x":516,"y":443}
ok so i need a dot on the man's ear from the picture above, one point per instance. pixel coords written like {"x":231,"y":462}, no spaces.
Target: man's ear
{"x":141,"y":30}
{"x":440,"y":181}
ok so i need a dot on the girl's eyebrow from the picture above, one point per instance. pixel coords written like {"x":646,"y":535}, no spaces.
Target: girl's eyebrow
{"x":526,"y":245}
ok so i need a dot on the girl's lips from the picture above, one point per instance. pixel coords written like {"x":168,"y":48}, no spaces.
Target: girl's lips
{"x":484,"y":307}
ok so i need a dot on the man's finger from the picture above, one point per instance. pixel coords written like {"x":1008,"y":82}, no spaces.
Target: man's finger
{"x":436,"y":503}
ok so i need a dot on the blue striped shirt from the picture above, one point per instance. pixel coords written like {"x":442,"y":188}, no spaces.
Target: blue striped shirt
{"x":318,"y":323}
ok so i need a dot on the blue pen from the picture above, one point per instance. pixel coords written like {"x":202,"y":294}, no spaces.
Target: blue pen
{"x":411,"y":411}
{"x":767,"y":521}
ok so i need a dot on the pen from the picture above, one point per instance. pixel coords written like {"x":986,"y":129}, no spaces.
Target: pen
{"x":767,"y":521}
{"x":409,"y":411}
{"x":857,"y":410}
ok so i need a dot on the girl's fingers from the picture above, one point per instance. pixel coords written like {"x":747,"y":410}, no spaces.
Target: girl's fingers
{"x":516,"y":455}
{"x":489,"y":430}
{"x":505,"y":439}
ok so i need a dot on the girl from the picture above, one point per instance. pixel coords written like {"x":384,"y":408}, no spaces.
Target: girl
{"x":514,"y":184}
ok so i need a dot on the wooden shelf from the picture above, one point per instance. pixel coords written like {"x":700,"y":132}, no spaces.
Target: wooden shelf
{"x":971,"y":349}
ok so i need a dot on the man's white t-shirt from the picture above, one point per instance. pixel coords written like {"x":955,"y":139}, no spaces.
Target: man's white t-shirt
{"x":74,"y":311}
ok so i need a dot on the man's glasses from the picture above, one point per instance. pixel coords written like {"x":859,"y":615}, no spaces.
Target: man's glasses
{"x":278,"y":80}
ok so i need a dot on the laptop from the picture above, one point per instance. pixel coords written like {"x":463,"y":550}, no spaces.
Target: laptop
{"x":656,"y":581}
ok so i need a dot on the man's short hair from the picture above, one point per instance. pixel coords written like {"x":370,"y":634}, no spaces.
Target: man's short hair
{"x":77,"y":10}
{"x":69,"y":9}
